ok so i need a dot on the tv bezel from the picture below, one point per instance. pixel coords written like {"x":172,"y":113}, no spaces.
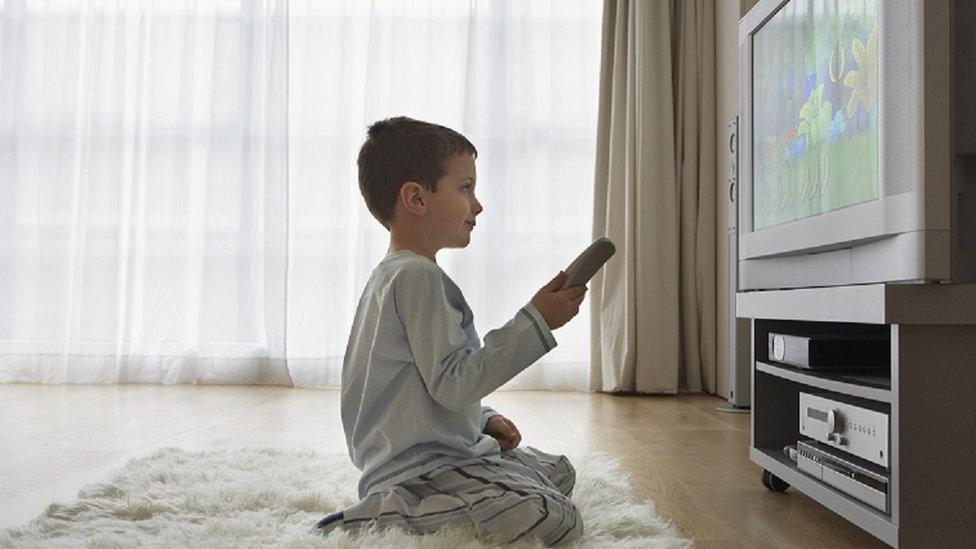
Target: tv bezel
{"x":885,"y":216}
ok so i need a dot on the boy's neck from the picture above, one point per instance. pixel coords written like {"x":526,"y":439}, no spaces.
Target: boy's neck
{"x":402,"y":240}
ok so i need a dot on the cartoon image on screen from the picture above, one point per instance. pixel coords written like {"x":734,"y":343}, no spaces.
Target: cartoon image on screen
{"x":815,"y":110}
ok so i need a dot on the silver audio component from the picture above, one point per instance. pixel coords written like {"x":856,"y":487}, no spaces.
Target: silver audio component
{"x":833,"y":351}
{"x":859,"y":480}
{"x":853,"y":428}
{"x":738,"y":330}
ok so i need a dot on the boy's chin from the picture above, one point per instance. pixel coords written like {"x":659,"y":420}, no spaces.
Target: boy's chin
{"x":462,"y":243}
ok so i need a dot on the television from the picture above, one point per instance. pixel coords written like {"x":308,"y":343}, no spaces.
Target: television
{"x":857,"y":143}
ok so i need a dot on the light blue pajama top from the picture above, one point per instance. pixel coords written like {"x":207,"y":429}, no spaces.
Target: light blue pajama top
{"x":414,"y":372}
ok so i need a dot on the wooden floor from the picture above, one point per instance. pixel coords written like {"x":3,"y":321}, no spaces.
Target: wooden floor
{"x":691,"y":460}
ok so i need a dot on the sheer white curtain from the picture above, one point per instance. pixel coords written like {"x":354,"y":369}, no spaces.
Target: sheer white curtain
{"x":179,"y":198}
{"x":143,"y":165}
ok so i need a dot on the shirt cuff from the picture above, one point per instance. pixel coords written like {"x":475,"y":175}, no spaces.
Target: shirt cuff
{"x":487,"y":413}
{"x":541,"y":328}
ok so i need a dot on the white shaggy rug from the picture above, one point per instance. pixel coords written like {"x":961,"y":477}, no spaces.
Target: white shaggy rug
{"x":267,"y":496}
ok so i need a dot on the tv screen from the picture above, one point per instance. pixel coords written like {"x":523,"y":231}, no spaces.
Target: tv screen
{"x":815,"y":110}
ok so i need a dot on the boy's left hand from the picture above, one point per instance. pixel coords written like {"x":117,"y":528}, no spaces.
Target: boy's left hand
{"x":504,"y":431}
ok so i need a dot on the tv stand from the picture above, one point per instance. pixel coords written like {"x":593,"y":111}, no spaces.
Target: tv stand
{"x":930,"y":391}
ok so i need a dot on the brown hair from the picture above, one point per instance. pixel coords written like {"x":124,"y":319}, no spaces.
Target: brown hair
{"x":402,"y":149}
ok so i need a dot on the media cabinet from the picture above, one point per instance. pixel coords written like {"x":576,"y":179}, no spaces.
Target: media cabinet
{"x":930,"y":391}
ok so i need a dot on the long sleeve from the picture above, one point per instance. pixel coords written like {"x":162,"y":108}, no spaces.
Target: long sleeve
{"x":486,"y":413}
{"x":457,"y":375}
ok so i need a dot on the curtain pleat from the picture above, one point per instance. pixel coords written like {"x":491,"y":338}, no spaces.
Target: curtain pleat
{"x":653,"y":306}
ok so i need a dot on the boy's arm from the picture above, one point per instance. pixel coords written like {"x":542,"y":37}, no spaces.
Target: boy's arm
{"x":456,"y":375}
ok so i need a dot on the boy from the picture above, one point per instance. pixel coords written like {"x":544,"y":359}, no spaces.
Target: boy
{"x":414,"y":371}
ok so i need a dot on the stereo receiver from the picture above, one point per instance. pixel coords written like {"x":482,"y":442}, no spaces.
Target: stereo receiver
{"x":858,"y":429}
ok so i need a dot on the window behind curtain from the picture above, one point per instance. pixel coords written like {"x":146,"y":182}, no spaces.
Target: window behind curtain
{"x":144,"y":213}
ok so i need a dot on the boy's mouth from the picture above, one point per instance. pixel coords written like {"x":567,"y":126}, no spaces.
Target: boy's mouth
{"x":470,"y":223}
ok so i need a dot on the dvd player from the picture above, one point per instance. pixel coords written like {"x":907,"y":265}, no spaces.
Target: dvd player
{"x":831,"y":352}
{"x":852,"y":476}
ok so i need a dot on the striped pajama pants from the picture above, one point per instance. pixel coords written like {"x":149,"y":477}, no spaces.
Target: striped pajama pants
{"x":520,"y":494}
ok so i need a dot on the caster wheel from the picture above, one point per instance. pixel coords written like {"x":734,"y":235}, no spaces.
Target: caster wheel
{"x":773,"y":482}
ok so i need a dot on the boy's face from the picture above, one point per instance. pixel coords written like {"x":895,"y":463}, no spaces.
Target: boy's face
{"x":453,"y":207}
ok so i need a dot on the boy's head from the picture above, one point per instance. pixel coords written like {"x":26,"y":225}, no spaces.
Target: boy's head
{"x":420,"y":173}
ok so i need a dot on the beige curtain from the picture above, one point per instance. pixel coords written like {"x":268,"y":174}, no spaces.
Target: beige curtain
{"x":653,"y":305}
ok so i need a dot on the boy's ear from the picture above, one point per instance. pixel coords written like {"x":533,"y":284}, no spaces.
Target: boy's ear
{"x":413,"y":196}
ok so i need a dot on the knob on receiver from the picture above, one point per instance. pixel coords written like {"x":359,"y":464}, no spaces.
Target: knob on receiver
{"x":778,"y":347}
{"x":835,"y":426}
{"x":834,"y":421}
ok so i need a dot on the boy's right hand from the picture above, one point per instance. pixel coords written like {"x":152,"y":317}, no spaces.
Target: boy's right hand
{"x":558,"y":307}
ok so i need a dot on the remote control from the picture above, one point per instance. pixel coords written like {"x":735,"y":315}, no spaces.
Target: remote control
{"x":582,"y":269}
